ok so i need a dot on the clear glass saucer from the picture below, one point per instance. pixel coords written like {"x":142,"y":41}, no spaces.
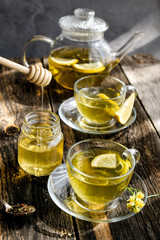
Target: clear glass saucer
{"x":62,"y":194}
{"x":69,"y":114}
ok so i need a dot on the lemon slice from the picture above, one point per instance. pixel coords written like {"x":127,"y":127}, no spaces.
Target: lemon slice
{"x":63,"y":61}
{"x":123,"y":167}
{"x":123,"y":114}
{"x":89,"y":67}
{"x":108,"y":160}
{"x":109,"y":109}
{"x":127,"y":166}
{"x":105,"y":97}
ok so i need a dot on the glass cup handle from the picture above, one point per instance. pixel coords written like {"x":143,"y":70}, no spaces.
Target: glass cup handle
{"x":134,"y":152}
{"x":131,"y":88}
{"x":33,"y":39}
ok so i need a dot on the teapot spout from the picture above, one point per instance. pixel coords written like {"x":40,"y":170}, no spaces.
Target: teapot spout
{"x":129,"y":44}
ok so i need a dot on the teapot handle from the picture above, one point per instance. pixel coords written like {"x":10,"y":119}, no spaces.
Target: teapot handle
{"x":33,"y":39}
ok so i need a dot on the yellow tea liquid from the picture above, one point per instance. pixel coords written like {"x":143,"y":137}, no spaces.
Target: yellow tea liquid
{"x":97,"y":110}
{"x":67,"y":74}
{"x":38,"y":155}
{"x":98,"y":189}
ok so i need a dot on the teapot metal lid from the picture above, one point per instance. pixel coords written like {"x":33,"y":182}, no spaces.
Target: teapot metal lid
{"x":83,"y":26}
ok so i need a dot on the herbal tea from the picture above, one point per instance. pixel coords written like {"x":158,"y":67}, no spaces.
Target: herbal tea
{"x":102,"y":166}
{"x":39,"y":153}
{"x":95,"y":104}
{"x":69,"y":64}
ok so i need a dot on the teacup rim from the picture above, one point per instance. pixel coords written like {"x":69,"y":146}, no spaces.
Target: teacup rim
{"x":101,"y":178}
{"x":98,"y":75}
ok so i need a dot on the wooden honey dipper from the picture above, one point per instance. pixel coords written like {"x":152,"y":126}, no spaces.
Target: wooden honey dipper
{"x":34,"y":74}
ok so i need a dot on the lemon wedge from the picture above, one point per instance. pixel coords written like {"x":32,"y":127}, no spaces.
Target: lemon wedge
{"x":108,"y":160}
{"x":63,"y":61}
{"x":89,"y":67}
{"x":123,"y":114}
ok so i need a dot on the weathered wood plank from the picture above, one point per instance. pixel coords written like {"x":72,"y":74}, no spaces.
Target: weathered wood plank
{"x":18,"y":97}
{"x":142,"y":136}
{"x":144,"y":73}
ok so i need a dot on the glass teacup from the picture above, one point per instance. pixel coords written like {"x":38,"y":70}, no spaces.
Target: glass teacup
{"x":98,"y":97}
{"x":96,"y":188}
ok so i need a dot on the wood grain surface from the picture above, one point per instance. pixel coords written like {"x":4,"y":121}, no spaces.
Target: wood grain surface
{"x":18,"y":97}
{"x":144,"y":73}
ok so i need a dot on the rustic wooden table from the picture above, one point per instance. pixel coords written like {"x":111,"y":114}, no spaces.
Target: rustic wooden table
{"x":18,"y":97}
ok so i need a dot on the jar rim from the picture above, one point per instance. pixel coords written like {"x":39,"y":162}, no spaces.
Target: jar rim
{"x":35,"y":113}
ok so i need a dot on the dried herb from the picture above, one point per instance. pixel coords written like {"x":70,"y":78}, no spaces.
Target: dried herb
{"x":21,"y":209}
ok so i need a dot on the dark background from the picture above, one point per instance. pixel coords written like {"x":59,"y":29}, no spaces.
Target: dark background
{"x":21,"y":19}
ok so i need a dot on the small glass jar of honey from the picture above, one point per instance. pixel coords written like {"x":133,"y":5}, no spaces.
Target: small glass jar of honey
{"x":40,"y":144}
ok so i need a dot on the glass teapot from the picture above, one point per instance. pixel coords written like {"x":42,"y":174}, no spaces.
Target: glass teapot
{"x":81,"y":48}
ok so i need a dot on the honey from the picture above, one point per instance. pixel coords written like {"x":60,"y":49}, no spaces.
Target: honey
{"x":40,"y":144}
